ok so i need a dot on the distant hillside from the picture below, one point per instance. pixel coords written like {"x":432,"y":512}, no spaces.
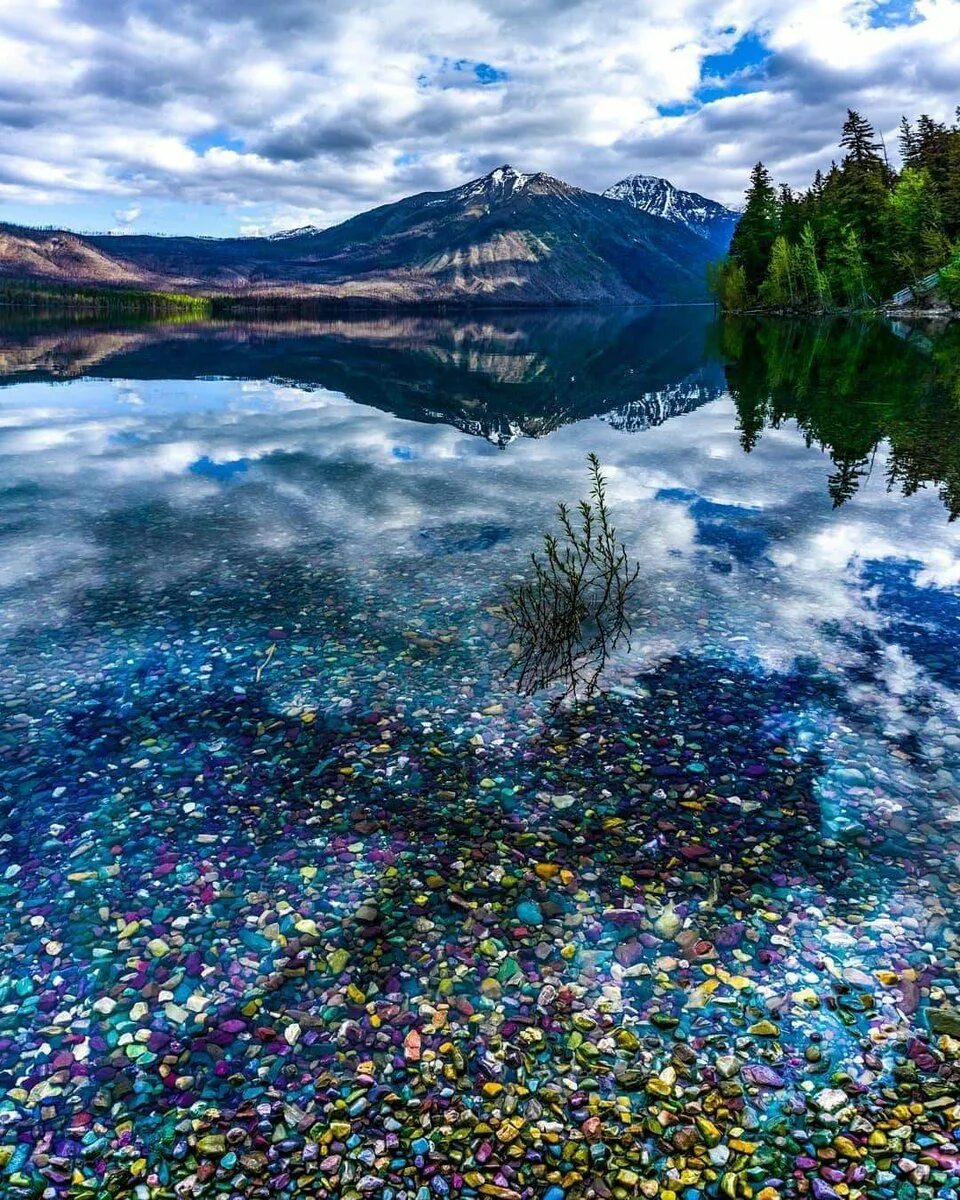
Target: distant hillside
{"x":503,"y":239}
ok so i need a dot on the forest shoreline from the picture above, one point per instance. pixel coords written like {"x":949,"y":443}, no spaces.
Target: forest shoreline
{"x":864,"y":237}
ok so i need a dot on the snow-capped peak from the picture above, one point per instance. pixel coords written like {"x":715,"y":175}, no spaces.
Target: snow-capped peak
{"x":498,"y":184}
{"x":507,"y":177}
{"x":301,"y":231}
{"x":659,"y":197}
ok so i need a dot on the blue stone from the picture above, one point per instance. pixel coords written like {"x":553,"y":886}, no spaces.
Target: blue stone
{"x":529,"y":912}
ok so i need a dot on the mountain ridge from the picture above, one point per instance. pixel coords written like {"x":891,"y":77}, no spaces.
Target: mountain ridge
{"x":652,"y":194}
{"x":504,"y":238}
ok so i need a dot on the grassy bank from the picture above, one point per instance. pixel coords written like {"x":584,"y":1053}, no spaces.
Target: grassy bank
{"x":31,"y":295}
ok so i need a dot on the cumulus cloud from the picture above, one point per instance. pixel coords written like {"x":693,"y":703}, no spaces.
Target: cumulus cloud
{"x":294,"y":112}
{"x":126,"y":216}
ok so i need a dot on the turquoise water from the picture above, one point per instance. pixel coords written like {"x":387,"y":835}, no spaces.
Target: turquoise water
{"x":300,"y":897}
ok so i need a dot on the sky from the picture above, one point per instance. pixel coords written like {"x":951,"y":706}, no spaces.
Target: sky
{"x":256,"y":116}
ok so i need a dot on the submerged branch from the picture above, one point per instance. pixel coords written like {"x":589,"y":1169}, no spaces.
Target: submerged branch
{"x":571,"y":615}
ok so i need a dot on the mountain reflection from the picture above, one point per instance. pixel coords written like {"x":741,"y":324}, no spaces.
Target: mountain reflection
{"x":850,"y":386}
{"x":498,"y":376}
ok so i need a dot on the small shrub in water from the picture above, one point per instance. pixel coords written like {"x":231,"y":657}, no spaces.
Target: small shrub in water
{"x":572,"y":614}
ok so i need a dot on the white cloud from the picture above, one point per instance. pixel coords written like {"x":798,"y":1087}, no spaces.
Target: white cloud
{"x":289,"y":113}
{"x":126,"y":216}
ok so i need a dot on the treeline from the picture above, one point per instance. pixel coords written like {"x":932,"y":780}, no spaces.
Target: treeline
{"x":858,"y":234}
{"x":37,"y":294}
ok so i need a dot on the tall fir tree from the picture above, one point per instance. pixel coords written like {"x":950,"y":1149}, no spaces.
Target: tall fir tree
{"x":950,"y":187}
{"x":863,"y":183}
{"x":908,"y":144}
{"x":859,"y":139}
{"x":757,"y":229}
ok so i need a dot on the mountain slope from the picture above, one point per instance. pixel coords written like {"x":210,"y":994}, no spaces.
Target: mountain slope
{"x":58,"y":256}
{"x":506,"y":238}
{"x":707,"y":218}
{"x":523,"y":238}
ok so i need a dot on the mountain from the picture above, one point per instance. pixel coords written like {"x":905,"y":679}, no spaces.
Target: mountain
{"x":708,"y":219}
{"x":60,"y":257}
{"x":506,"y":238}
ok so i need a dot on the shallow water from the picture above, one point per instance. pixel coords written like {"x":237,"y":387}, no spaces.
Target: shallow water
{"x":299,"y":897}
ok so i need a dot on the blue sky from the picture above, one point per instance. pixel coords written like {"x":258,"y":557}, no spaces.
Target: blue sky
{"x":204,"y":118}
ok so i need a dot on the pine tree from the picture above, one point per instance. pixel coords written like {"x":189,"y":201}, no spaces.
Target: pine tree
{"x":908,"y":144}
{"x":757,"y":229}
{"x":862,"y":185}
{"x":859,"y":139}
{"x":791,"y":213}
{"x":950,"y":188}
{"x":933,"y":148}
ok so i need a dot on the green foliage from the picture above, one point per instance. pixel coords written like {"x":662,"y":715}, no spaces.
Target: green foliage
{"x":758,"y":227}
{"x":727,"y":282}
{"x":950,"y":283}
{"x":916,"y":235}
{"x":32,"y":294}
{"x":848,"y":271}
{"x":571,"y":615}
{"x":815,"y":285}
{"x":858,"y":234}
{"x":779,"y":289}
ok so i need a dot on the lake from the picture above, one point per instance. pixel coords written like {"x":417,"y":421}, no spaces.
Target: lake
{"x":300,"y":896}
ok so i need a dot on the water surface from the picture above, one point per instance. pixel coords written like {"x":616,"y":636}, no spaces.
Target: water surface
{"x":300,"y":897}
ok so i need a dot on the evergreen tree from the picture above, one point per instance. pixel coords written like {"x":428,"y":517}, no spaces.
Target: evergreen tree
{"x":933,"y":148}
{"x":950,"y":186}
{"x":791,"y":213}
{"x":908,"y":144}
{"x":859,"y":233}
{"x":859,"y":139}
{"x":861,"y":193}
{"x":758,"y":228}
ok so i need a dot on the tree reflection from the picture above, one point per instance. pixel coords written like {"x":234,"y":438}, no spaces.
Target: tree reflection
{"x":851,"y":386}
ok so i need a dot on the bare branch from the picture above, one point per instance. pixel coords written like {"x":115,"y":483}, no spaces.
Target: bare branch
{"x":571,"y":615}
